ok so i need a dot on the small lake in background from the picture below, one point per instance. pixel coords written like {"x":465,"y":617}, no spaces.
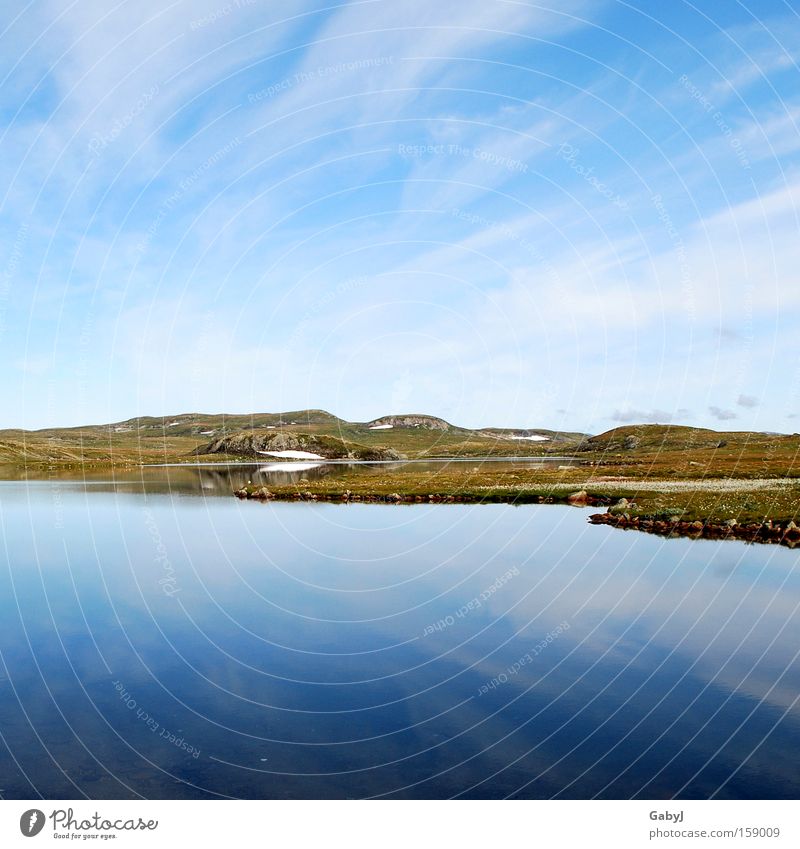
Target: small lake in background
{"x":160,"y":638}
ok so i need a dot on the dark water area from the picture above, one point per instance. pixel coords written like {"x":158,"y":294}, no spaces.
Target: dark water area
{"x":161,"y":639}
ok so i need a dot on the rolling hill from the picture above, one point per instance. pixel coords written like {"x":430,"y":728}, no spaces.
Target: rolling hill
{"x":186,"y":437}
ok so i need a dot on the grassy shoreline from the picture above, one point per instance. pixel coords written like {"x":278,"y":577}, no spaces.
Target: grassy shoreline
{"x":778,"y":504}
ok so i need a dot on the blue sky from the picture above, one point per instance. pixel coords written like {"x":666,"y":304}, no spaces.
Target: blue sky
{"x":496,"y":212}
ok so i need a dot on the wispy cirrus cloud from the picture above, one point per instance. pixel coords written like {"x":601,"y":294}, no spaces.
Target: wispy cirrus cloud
{"x":240,"y":168}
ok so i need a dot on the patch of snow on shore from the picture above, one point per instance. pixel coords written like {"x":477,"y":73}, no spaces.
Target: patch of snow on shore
{"x":534,"y":438}
{"x":381,"y":427}
{"x":293,"y":455}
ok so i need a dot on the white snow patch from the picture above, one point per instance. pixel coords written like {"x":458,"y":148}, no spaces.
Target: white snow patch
{"x":206,"y":432}
{"x":172,"y":424}
{"x":293,"y":455}
{"x":381,"y":427}
{"x":534,"y":438}
{"x":289,"y":467}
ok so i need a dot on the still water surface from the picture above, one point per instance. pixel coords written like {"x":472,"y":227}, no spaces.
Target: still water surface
{"x":162,"y":639}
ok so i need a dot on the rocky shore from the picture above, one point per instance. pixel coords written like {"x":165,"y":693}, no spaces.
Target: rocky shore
{"x":578,"y":499}
{"x":777,"y":533}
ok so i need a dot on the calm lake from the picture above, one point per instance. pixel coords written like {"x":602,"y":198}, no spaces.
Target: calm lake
{"x":161,"y":639}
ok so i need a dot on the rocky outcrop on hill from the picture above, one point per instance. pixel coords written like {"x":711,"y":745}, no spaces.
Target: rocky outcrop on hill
{"x":653,"y":437}
{"x":255,"y":443}
{"x":427,"y":422}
